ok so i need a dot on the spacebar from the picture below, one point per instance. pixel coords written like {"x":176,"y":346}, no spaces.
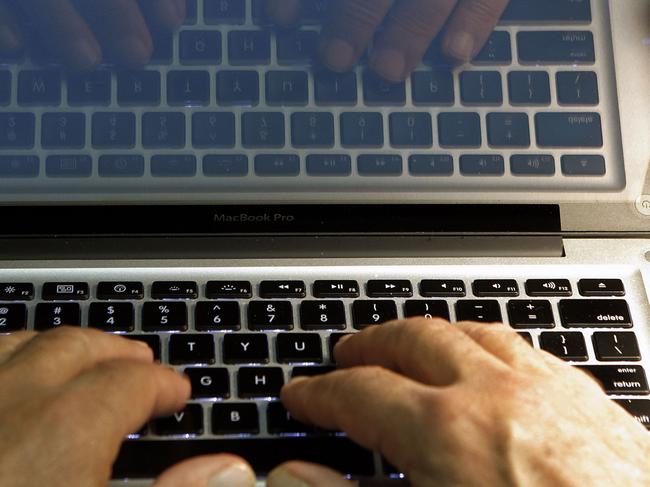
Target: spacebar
{"x":147,"y":459}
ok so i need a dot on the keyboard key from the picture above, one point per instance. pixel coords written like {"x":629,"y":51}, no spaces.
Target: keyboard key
{"x":235,"y":419}
{"x":118,"y":165}
{"x":332,"y":88}
{"x":13,"y":317}
{"x":359,"y":129}
{"x":553,"y":46}
{"x":287,"y":88}
{"x":496,"y":50}
{"x":334,"y":339}
{"x":411,"y":129}
{"x":598,"y":313}
{"x":322,"y":315}
{"x":601,"y":287}
{"x":312,"y":129}
{"x":224,"y":11}
{"x":240,"y":88}
{"x":191,"y":349}
{"x":377,"y":91}
{"x":152,"y":340}
{"x":481,"y":88}
{"x":113,"y":130}
{"x":568,"y":345}
{"x":245,"y":348}
{"x":336,"y":289}
{"x":299,"y":348}
{"x":73,"y":166}
{"x":280,"y":421}
{"x":589,"y":165}
{"x":484,"y":310}
{"x":259,"y":382}
{"x":53,"y":315}
{"x":179,"y":165}
{"x":329,"y":165}
{"x":63,"y":131}
{"x":12,"y":291}
{"x":577,"y":88}
{"x":442,"y":288}
{"x":379,"y":165}
{"x":426,"y":308}
{"x":191,"y":10}
{"x":639,"y":408}
{"x":270,"y":315}
{"x":311,"y":370}
{"x":508,"y":130}
{"x":189,"y":421}
{"x":164,"y":316}
{"x":212,"y":130}
{"x":432,"y":87}
{"x":138,"y":88}
{"x":548,"y":287}
{"x":225,"y":165}
{"x":200,"y":47}
{"x":111,"y":316}
{"x":188,"y":88}
{"x":120,"y":290}
{"x":389,"y":288}
{"x":479,"y":165}
{"x":263,"y":129}
{"x":89,"y":89}
{"x":209,"y":383}
{"x":277,"y":165}
{"x":39,"y":87}
{"x":616,"y":346}
{"x":526,"y":11}
{"x":530,"y":314}
{"x":228,"y":289}
{"x":526,"y":336}
{"x":532,"y":165}
{"x":5,"y":87}
{"x":174,"y":290}
{"x":221,"y":315}
{"x":366,"y":312}
{"x":459,"y":129}
{"x":296,"y":46}
{"x":163,"y":130}
{"x":282,"y":289}
{"x":619,"y":379}
{"x":19,"y":166}
{"x":249,"y":48}
{"x":487,"y":288}
{"x":529,"y":88}
{"x":568,"y":129}
{"x":163,"y":47}
{"x":17,"y":130}
{"x":70,"y":291}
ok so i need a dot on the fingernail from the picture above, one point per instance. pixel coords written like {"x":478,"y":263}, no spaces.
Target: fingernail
{"x":9,"y":38}
{"x":461,"y":46}
{"x":390,"y":64}
{"x":283,"y":477}
{"x":86,"y":53}
{"x":235,"y":475}
{"x":338,"y":54}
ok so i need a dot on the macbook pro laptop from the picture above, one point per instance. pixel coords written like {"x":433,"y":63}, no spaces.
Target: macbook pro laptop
{"x":239,"y":208}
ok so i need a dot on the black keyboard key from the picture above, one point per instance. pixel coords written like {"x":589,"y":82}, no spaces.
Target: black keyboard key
{"x":526,"y":336}
{"x":426,"y":308}
{"x":329,"y":165}
{"x":249,"y":47}
{"x":619,"y":379}
{"x":377,"y":91}
{"x":221,"y":315}
{"x":200,"y":47}
{"x":568,"y":129}
{"x":188,"y":88}
{"x":597,"y":313}
{"x":5,"y":87}
{"x":120,"y":165}
{"x":459,"y":129}
{"x":380,"y":165}
{"x":495,"y":287}
{"x":529,"y":88}
{"x":19,"y":166}
{"x":120,"y":290}
{"x":639,"y":408}
{"x":163,"y":130}
{"x":212,"y":130}
{"x":240,"y":88}
{"x":555,"y":46}
{"x":270,"y":315}
{"x":413,"y":129}
{"x":111,"y":316}
{"x":138,"y":88}
{"x":177,"y":165}
{"x":548,"y":287}
{"x":113,"y":130}
{"x":280,"y":421}
{"x":263,"y":129}
{"x":530,"y":314}
{"x":224,"y":11}
{"x":332,"y":88}
{"x":587,"y":165}
{"x":482,"y":165}
{"x":532,"y":164}
{"x":174,"y":290}
{"x":616,"y":346}
{"x":164,"y":316}
{"x":277,"y":165}
{"x":497,"y":49}
{"x":191,"y":12}
{"x":601,"y":287}
{"x":63,"y":131}
{"x":508,"y":130}
{"x":311,"y":370}
{"x":375,"y":312}
{"x":245,"y":348}
{"x":68,"y":166}
{"x":163,"y":47}
{"x":209,"y":383}
{"x":336,"y":289}
{"x":259,"y":382}
{"x":53,"y":315}
{"x":189,"y":421}
{"x":282,"y":289}
{"x":299,"y":348}
{"x":432,"y":87}
{"x":225,"y":165}
{"x":92,"y":88}
{"x":322,"y":315}
{"x":13,"y":317}
{"x":312,"y":129}
{"x":577,"y":88}
{"x":191,"y":349}
{"x":442,"y":288}
{"x":235,"y":419}
{"x":228,"y":289}
{"x":17,"y":130}
{"x":296,"y":46}
{"x":389,"y":288}
{"x":481,"y":88}
{"x":334,"y":339}
{"x":484,"y":310}
{"x":359,"y":129}
{"x":12,"y":291}
{"x":72,"y":291}
{"x":568,"y":345}
{"x":526,"y":11}
{"x":39,"y":87}
{"x":152,"y":340}
{"x":286,"y":88}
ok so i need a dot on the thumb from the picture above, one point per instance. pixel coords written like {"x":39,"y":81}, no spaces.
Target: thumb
{"x":208,"y":471}
{"x":302,"y":474}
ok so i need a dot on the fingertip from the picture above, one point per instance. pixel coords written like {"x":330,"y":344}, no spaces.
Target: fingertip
{"x":459,"y":46}
{"x":389,"y":64}
{"x":337,"y":54}
{"x":10,"y":39}
{"x":283,"y":12}
{"x":133,"y":52}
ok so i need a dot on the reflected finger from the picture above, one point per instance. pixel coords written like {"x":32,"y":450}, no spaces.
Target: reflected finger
{"x":11,"y":37}
{"x":168,"y":14}
{"x":283,"y":12}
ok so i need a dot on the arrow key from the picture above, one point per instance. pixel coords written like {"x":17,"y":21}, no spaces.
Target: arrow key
{"x":389,"y":289}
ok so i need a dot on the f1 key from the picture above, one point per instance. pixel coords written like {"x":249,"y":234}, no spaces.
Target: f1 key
{"x":282,"y":289}
{"x":390,"y":289}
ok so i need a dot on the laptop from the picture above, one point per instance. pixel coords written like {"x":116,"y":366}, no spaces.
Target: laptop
{"x":239,"y":208}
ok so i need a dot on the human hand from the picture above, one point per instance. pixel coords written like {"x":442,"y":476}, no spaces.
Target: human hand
{"x":468,"y":404}
{"x":80,"y":38}
{"x":410,"y":27}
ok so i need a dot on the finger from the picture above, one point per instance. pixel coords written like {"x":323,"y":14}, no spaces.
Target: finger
{"x":9,"y":344}
{"x":10,"y":35}
{"x":412,"y":26}
{"x":210,"y":470}
{"x":56,"y":356}
{"x":307,"y":475}
{"x":470,"y":26}
{"x":168,"y":14}
{"x":433,"y":352}
{"x":283,"y":12}
{"x":70,"y":38}
{"x":348,"y":30}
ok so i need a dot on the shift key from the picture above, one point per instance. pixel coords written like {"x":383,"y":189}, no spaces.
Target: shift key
{"x":569,"y":129}
{"x":619,"y":379}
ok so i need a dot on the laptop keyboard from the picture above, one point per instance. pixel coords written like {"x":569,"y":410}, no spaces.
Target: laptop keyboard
{"x":230,"y":105}
{"x":240,"y":340}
